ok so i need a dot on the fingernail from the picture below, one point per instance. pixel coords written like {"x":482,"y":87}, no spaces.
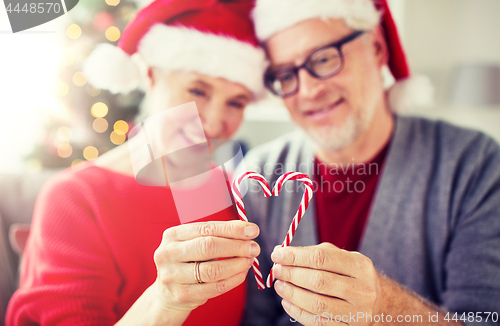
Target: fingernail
{"x":277,"y":271}
{"x":255,"y":249}
{"x":251,"y":230}
{"x":278,"y":286}
{"x":276,"y":257}
{"x":286,"y":304}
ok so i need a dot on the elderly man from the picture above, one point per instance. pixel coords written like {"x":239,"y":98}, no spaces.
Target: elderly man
{"x":407,"y":210}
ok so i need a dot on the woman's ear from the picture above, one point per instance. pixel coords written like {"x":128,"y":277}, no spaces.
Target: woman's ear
{"x":380,"y":46}
{"x":151,"y":78}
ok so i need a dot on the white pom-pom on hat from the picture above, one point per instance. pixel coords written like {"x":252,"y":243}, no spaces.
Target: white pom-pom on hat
{"x":413,"y":92}
{"x":109,"y":67}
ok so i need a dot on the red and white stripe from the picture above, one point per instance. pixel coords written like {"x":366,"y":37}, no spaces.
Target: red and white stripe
{"x":240,"y":207}
{"x":308,"y":193}
{"x":304,"y":203}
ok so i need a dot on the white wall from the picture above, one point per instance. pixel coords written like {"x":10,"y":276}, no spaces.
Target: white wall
{"x":439,"y":34}
{"x":442,"y":34}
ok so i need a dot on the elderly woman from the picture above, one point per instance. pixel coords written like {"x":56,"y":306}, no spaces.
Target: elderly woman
{"x":106,"y":249}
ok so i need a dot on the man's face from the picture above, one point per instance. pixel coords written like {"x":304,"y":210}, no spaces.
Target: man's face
{"x":336,"y":111}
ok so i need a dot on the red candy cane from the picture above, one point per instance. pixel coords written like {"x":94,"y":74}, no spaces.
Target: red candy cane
{"x":304,"y":203}
{"x":243,"y":215}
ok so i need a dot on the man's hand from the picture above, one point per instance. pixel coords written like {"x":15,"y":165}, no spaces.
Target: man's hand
{"x":326,"y":285}
{"x":328,"y":282}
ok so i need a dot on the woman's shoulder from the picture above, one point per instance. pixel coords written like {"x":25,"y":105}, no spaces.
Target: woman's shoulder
{"x":110,"y":198}
{"x":88,"y":190}
{"x":88,"y":178}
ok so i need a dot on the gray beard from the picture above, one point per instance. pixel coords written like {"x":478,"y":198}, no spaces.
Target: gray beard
{"x":333,"y":139}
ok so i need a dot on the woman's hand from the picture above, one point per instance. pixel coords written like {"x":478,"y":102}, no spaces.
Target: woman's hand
{"x":205,"y":243}
{"x":176,"y":291}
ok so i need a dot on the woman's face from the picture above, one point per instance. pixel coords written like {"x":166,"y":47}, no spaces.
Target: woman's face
{"x":177,"y":130}
{"x":220,"y":103}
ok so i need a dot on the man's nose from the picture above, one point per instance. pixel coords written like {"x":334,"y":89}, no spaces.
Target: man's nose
{"x":310,"y":87}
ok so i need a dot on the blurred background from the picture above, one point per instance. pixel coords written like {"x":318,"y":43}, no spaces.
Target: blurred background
{"x":51,"y":119}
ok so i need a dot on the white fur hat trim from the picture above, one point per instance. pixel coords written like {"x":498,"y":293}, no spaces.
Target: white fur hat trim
{"x":272,"y":16}
{"x":178,"y":48}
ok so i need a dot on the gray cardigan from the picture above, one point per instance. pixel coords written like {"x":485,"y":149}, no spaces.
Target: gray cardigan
{"x":434,"y":225}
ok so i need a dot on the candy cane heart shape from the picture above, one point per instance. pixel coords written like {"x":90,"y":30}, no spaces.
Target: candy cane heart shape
{"x":306,"y":197}
{"x":304,"y":203}
{"x":240,"y":207}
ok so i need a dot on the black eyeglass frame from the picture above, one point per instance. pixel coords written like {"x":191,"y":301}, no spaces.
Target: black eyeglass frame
{"x":269,"y":76}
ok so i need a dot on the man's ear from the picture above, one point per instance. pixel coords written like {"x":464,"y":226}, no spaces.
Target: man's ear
{"x":380,"y":46}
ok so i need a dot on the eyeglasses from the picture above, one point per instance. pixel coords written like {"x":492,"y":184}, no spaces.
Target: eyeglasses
{"x":323,"y":63}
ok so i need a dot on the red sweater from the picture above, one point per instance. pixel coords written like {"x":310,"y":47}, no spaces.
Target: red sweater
{"x":343,"y":199}
{"x":90,"y":252}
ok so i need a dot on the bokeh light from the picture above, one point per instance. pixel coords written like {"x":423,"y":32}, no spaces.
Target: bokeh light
{"x":90,"y":153}
{"x":116,"y":138}
{"x":99,"y":110}
{"x":64,"y":150}
{"x":112,"y":2}
{"x":127,"y":12}
{"x":76,"y":163}
{"x":120,"y":127}
{"x":64,"y":134}
{"x":69,"y":59}
{"x":112,"y":34}
{"x":102,"y":21}
{"x":92,"y":91}
{"x":74,"y":31}
{"x":79,"y":78}
{"x":61,"y":89}
{"x":100,"y":125}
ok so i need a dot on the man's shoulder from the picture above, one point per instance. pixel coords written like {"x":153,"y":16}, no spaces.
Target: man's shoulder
{"x":445,"y":136}
{"x":450,"y":154}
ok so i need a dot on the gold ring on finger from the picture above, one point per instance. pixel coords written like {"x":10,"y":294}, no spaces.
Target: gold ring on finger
{"x":197,"y":273}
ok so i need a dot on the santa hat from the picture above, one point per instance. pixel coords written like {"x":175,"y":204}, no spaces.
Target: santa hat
{"x":273,"y":16}
{"x":210,"y":37}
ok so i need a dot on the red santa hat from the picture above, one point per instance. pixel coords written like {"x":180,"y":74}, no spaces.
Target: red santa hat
{"x":211,"y":37}
{"x":273,"y":16}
